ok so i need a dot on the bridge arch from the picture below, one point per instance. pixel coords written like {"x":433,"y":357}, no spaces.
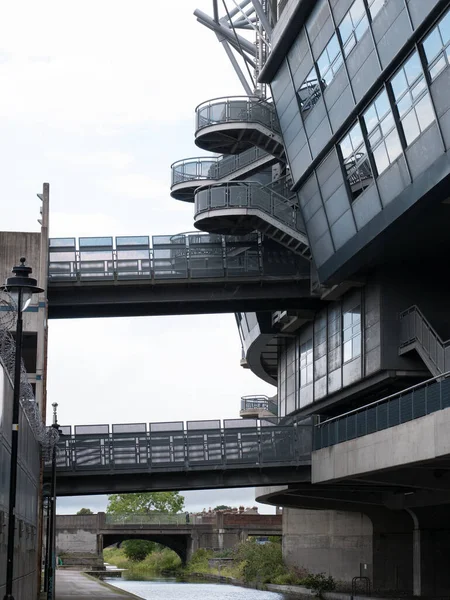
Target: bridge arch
{"x":179,"y":543}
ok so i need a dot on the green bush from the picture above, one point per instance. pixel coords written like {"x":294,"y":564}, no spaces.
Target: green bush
{"x":137,"y":550}
{"x":319,"y":583}
{"x":199,"y":561}
{"x":260,"y":562}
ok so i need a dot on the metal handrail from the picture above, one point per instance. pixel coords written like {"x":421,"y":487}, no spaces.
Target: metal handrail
{"x":416,"y":309}
{"x":275,"y":200}
{"x":234,"y":162}
{"x":271,"y":122}
{"x":401,"y":393}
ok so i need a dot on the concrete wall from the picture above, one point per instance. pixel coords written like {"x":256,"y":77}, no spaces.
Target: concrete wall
{"x":76,"y":533}
{"x":327,"y":541}
{"x":422,"y":439}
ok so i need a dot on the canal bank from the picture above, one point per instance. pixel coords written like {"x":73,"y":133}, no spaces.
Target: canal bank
{"x":74,"y":585}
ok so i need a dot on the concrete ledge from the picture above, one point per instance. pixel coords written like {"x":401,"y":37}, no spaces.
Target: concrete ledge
{"x":303,"y":592}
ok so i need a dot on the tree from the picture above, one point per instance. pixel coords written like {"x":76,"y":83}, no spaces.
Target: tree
{"x":223,"y":507}
{"x":137,"y":550}
{"x":145,"y":502}
{"x":85,"y":511}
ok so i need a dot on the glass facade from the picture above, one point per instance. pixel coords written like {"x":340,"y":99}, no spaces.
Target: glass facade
{"x":412,"y":98}
{"x":357,"y":167}
{"x":309,"y":93}
{"x":353,"y":26}
{"x":306,"y":363}
{"x":351,"y":333}
{"x":436,"y":47}
{"x":330,"y":61}
{"x":382,"y":134}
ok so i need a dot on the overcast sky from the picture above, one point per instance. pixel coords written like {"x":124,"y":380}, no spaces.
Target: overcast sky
{"x":98,"y":99}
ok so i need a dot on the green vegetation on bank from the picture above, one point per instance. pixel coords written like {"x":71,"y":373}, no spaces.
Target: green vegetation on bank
{"x":252,"y":563}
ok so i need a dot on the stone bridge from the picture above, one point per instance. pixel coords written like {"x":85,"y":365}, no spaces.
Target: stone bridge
{"x":80,"y":539}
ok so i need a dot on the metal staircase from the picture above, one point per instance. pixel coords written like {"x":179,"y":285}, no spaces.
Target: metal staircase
{"x":190,"y":173}
{"x":417,"y":334}
{"x":238,"y":208}
{"x":232,"y":125}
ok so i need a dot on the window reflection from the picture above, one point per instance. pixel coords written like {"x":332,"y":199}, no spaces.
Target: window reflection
{"x":412,"y":98}
{"x":384,"y":140}
{"x":353,"y":26}
{"x":306,"y":363}
{"x":330,"y":61}
{"x":437,"y":47}
{"x":375,"y":6}
{"x":309,"y":92}
{"x":356,"y":162}
{"x":351,"y":333}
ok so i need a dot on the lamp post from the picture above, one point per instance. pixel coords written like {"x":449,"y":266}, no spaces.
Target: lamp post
{"x":51,"y":525}
{"x":21,"y":288}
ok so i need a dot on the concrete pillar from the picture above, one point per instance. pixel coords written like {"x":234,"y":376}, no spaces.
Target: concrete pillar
{"x":192,"y":544}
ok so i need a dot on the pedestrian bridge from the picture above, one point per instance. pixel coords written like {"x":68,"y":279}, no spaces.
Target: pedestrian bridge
{"x":85,"y":536}
{"x":175,"y":274}
{"x":97,"y":459}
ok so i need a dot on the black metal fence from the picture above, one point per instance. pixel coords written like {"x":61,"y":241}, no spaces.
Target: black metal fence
{"x":172,"y":445}
{"x":417,"y":401}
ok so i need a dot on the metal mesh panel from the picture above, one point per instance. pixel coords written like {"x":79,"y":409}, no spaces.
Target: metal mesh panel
{"x":66,"y":429}
{"x":393,"y":412}
{"x":129,"y":428}
{"x":204,"y":446}
{"x":129,"y":450}
{"x":445,"y":392}
{"x":433,"y":398}
{"x":203,"y":425}
{"x":418,"y":398}
{"x":91,"y":429}
{"x":240,"y":423}
{"x":166,"y":426}
{"x":406,"y":413}
{"x":167,"y":448}
{"x":91,"y":452}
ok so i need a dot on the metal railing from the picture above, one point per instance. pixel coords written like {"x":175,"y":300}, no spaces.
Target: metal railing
{"x":415,"y":329}
{"x":237,"y":109}
{"x":239,"y":194}
{"x":412,"y":403}
{"x":181,"y":256}
{"x":259,"y":403}
{"x":199,"y":444}
{"x":203,"y":168}
{"x":151,"y":518}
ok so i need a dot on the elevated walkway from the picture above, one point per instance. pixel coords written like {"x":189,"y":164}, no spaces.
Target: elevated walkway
{"x":237,"y":208}
{"x":417,"y":334}
{"x":191,"y":173}
{"x":179,"y":274}
{"x":232,"y":125}
{"x":92,"y":459}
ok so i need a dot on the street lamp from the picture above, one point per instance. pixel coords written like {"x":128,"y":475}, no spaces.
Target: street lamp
{"x":21,"y":288}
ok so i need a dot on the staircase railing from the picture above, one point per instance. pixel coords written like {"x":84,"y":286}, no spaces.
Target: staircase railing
{"x":237,"y":109}
{"x":250,"y":195}
{"x":415,"y":329}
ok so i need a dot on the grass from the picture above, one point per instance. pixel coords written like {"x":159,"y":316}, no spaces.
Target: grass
{"x":163,"y":561}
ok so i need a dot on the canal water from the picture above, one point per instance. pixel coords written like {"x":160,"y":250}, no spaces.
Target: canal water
{"x":171,"y":589}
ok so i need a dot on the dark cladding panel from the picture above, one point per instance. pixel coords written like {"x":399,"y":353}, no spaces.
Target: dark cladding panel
{"x":333,"y":92}
{"x":341,"y":108}
{"x":329,"y":175}
{"x":298,"y":52}
{"x":419,"y":9}
{"x":439,"y":91}
{"x":300,"y":162}
{"x":281,"y":80}
{"x":392,"y":33}
{"x":343,"y":229}
{"x":317,"y":225}
{"x":337,"y":205}
{"x":320,"y":137}
{"x":322,"y":249}
{"x":320,"y":27}
{"x":366,"y":206}
{"x":393,"y":181}
{"x":293,"y":131}
{"x":340,"y":8}
{"x":365,"y":76}
{"x":424,"y":151}
{"x":285,"y":99}
{"x":289,"y":113}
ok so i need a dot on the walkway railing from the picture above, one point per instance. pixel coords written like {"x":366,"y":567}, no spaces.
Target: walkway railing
{"x":199,"y":444}
{"x":259,"y":403}
{"x":237,"y":109}
{"x":415,"y":329}
{"x":181,"y":256}
{"x":151,"y":518}
{"x":412,"y":403}
{"x":204,"y":168}
{"x":237,"y":194}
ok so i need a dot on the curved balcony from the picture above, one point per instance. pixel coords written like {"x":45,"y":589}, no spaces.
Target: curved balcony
{"x":191,"y":173}
{"x":232,"y":125}
{"x":258,"y":407}
{"x":237,"y":208}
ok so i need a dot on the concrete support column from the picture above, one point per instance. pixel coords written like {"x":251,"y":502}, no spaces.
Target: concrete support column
{"x":192,"y":545}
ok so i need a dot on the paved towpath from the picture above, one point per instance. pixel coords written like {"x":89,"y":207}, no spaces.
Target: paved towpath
{"x":72,"y":585}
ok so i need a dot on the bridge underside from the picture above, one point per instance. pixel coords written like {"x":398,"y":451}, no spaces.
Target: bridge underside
{"x":100,"y":482}
{"x":128,"y":299}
